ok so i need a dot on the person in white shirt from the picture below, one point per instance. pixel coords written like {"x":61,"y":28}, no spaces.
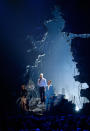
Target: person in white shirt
{"x":42,"y":83}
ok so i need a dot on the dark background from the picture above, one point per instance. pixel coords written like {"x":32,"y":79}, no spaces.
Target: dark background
{"x":20,"y":18}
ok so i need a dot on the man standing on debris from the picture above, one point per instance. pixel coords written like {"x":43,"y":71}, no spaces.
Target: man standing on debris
{"x":42,"y":83}
{"x":49,"y":95}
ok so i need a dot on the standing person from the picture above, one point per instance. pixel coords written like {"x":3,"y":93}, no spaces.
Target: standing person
{"x":23,"y":91}
{"x":23,"y":103}
{"x":42,"y":83}
{"x":49,"y":95}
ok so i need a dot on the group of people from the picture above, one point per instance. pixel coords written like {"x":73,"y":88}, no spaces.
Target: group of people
{"x":46,"y":92}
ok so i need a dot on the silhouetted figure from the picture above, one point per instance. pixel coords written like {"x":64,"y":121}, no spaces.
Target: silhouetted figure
{"x":23,"y":91}
{"x":23,"y":103}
